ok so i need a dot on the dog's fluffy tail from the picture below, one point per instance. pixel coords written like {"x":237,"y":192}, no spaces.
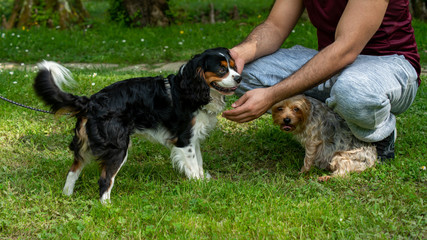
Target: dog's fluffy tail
{"x":48,"y":86}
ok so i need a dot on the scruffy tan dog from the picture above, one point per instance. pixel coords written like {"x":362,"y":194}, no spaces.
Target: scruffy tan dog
{"x":329,"y":143}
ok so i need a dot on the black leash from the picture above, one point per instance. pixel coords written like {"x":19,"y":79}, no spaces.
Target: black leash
{"x":25,"y":106}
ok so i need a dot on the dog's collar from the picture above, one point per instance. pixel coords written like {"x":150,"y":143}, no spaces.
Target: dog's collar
{"x":168,"y":88}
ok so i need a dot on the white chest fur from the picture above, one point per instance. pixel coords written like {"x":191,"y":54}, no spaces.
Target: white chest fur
{"x":206,"y":117}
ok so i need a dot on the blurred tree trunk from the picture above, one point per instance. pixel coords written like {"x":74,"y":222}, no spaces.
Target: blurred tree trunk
{"x":419,"y":10}
{"x":147,"y":12}
{"x":63,"y":13}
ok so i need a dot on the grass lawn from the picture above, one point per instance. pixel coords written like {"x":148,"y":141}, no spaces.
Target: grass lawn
{"x":256,"y":192}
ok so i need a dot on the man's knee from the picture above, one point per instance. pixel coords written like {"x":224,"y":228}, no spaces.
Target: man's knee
{"x":359,"y":104}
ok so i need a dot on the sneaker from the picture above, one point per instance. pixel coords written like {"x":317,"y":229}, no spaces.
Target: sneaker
{"x":385,"y":147}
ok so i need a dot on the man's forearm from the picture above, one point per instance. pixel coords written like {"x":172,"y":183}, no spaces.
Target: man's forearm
{"x":263,"y":40}
{"x":267,"y":37}
{"x":321,"y":67}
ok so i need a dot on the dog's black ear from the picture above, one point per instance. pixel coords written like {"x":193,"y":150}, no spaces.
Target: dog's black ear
{"x":193,"y":85}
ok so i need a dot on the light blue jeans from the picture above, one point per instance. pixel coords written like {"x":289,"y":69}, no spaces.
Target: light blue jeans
{"x":367,"y":94}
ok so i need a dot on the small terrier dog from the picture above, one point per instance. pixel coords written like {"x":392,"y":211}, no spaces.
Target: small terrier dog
{"x":329,"y":143}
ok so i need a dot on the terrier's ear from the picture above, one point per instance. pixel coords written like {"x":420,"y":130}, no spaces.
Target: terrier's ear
{"x":305,"y":107}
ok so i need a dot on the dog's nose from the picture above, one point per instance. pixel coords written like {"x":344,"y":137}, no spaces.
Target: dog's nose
{"x":237,"y":78}
{"x":287,"y":120}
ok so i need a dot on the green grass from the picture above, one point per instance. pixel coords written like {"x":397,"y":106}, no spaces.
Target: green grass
{"x":256,"y":192}
{"x":105,"y":41}
{"x":110,"y":42}
{"x":117,"y":44}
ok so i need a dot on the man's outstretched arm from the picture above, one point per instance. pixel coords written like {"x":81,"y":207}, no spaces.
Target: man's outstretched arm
{"x":359,"y":22}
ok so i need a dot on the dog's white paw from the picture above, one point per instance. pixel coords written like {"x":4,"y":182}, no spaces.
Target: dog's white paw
{"x":68,"y":191}
{"x":105,"y":199}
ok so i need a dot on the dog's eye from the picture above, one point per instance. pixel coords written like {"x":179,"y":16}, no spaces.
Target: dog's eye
{"x":296,"y":109}
{"x":279,"y":109}
{"x":222,"y":70}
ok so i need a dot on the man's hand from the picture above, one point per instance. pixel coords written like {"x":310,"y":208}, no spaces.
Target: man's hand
{"x":250,"y":106}
{"x":240,"y":63}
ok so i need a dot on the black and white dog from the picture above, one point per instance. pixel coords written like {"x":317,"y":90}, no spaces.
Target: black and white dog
{"x":178,"y":111}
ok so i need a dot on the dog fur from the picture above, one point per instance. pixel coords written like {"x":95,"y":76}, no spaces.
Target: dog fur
{"x":328,"y":142}
{"x":178,"y":111}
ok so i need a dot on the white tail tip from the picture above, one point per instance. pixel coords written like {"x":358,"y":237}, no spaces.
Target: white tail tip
{"x":61,"y":75}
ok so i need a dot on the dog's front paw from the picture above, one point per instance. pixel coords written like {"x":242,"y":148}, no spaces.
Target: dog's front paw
{"x":105,"y":198}
{"x":67,"y":190}
{"x":324,"y":178}
{"x":304,"y":169}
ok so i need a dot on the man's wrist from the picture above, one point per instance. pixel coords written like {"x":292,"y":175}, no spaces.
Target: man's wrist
{"x":243,"y":53}
{"x":272,"y":96}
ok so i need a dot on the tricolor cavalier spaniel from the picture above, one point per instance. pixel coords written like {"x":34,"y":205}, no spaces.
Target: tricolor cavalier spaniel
{"x":178,"y":111}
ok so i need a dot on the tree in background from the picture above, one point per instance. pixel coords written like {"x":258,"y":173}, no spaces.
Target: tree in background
{"x":139,"y":13}
{"x":136,"y":13}
{"x":52,"y":13}
{"x":419,"y":9}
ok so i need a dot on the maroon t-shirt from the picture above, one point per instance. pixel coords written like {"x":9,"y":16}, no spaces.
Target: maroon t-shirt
{"x":394,"y":36}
